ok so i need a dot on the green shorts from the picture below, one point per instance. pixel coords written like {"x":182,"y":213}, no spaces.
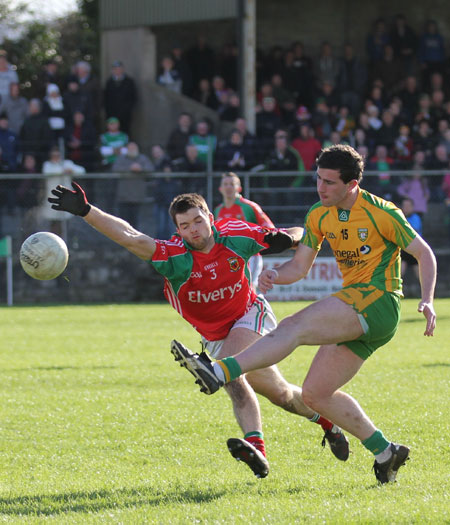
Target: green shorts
{"x":379,"y":315}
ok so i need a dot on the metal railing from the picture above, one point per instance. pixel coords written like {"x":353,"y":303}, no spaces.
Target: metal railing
{"x":261,"y":185}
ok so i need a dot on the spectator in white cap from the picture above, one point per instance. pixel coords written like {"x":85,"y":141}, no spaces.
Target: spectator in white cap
{"x":53,"y":109}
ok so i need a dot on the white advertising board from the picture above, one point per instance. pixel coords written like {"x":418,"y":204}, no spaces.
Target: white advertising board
{"x":323,"y":279}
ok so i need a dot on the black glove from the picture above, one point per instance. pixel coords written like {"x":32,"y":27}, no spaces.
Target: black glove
{"x":278,"y":241}
{"x":74,"y":202}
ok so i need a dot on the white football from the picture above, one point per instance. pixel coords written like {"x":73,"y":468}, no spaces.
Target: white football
{"x":44,"y":256}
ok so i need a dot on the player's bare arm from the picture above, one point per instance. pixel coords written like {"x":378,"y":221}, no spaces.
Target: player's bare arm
{"x":291,"y":271}
{"x":296,"y":233}
{"x":75,"y":201}
{"x":121,"y":232}
{"x":419,"y":249}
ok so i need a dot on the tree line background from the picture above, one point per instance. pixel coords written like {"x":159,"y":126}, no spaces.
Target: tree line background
{"x":30,"y":42}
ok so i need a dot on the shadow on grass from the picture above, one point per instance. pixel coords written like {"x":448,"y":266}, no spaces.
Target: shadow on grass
{"x":50,"y":368}
{"x":421,"y":319}
{"x":433,"y":365}
{"x":101,"y":500}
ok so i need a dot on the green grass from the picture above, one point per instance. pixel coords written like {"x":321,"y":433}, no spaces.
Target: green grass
{"x":99,"y":425}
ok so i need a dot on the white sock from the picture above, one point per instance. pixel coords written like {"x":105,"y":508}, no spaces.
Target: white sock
{"x":219,"y":372}
{"x":385,"y":455}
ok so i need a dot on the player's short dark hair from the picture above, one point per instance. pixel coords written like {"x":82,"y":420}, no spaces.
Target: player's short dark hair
{"x":231,"y":175}
{"x":184,"y":202}
{"x":342,"y":158}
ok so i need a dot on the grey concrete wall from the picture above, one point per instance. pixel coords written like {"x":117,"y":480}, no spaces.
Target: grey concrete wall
{"x":136,"y":48}
{"x":94,"y":275}
{"x":162,"y":107}
{"x":157,"y":108}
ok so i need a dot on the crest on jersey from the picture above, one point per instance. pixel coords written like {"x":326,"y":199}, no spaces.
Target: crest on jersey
{"x":234,"y":264}
{"x":363,"y":233}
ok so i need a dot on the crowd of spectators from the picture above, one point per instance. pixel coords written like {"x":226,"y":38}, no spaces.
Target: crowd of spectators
{"x":392,"y":103}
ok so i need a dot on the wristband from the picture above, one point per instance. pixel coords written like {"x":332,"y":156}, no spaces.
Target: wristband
{"x":86,"y":210}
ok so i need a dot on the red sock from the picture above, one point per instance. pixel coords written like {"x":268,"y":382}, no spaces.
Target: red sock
{"x":324,"y":423}
{"x":258,"y":443}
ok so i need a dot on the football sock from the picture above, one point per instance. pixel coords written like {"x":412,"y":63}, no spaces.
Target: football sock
{"x":220,"y":374}
{"x":256,"y":439}
{"x":324,"y":423}
{"x":385,"y":455}
{"x":377,"y":444}
{"x":227,"y":369}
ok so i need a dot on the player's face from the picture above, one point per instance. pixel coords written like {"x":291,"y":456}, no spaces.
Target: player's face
{"x":332,"y":190}
{"x":194,"y":226}
{"x":229,"y":187}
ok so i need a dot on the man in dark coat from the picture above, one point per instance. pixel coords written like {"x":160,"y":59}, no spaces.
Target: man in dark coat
{"x":119,"y":96}
{"x":35,"y":133}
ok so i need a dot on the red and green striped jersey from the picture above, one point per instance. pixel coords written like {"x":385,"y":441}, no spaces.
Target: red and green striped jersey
{"x":244,"y":210}
{"x":365,"y":240}
{"x":211,"y":290}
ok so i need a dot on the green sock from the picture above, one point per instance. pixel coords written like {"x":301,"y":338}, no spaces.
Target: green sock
{"x":255,"y":433}
{"x":315,"y":418}
{"x":230,"y":368}
{"x":376,"y":443}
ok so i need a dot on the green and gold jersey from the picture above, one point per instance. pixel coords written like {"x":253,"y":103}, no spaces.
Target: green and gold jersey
{"x":365,"y":240}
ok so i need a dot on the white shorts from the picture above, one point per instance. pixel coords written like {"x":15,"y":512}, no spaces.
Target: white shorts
{"x":260,"y":319}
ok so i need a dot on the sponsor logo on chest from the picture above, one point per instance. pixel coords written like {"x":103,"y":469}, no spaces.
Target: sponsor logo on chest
{"x":226,"y":292}
{"x":343,"y":215}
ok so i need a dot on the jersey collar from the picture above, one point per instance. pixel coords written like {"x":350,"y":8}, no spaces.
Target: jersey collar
{"x":343,"y":214}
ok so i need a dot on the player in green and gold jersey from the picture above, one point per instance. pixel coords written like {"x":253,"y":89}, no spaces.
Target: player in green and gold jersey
{"x":366,"y":234}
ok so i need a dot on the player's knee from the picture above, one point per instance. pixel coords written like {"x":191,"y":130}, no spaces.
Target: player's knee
{"x":290,"y":327}
{"x":311,"y":396}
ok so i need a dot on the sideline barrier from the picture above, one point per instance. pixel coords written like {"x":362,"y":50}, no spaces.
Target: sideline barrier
{"x":323,"y":279}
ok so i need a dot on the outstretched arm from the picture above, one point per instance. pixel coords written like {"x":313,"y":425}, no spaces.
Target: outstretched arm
{"x":282,"y":239}
{"x":419,"y":249}
{"x":121,"y":232}
{"x":75,"y":202}
{"x":291,"y":271}
{"x":296,"y":232}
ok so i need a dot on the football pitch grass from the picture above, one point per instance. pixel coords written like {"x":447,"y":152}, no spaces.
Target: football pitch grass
{"x":100,"y":425}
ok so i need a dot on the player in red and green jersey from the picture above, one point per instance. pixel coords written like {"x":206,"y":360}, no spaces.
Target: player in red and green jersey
{"x":217,"y":281}
{"x":207,"y":281}
{"x":366,"y":234}
{"x":234,"y":206}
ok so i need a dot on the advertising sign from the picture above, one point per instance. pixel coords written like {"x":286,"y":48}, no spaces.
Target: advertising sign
{"x":323,"y":279}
